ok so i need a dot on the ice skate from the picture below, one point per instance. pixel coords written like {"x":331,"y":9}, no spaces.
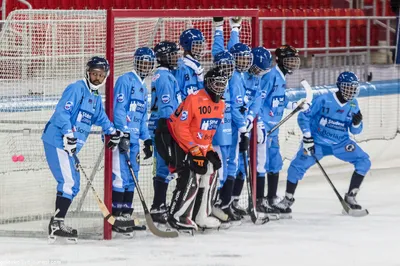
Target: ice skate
{"x":208,"y":222}
{"x":159,"y":215}
{"x":238,"y":209}
{"x":284,"y":207}
{"x":127,"y":231}
{"x":226,"y":215}
{"x":57,"y":228}
{"x":264,"y":207}
{"x":355,"y":208}
{"x":184,"y":225}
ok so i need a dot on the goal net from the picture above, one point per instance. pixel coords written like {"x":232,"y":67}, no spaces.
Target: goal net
{"x":41,"y":52}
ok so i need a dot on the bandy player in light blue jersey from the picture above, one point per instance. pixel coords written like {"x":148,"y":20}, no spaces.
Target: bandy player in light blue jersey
{"x":79,"y":108}
{"x":130,"y":117}
{"x":189,"y":73}
{"x":272,"y":110}
{"x":325,"y":130}
{"x":222,"y":140}
{"x":165,"y":98}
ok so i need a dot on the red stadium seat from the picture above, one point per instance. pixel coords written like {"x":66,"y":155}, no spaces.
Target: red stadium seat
{"x":316,"y":34}
{"x":272,"y":29}
{"x":294,"y":28}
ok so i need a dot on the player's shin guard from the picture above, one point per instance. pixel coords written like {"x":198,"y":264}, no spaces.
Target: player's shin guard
{"x":117,"y":202}
{"x":62,"y":206}
{"x":273,"y":179}
{"x":355,"y":182}
{"x":127,"y":203}
{"x":183,"y":200}
{"x":160,"y":192}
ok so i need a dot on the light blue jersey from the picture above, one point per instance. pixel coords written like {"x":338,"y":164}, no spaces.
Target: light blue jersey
{"x":329,"y":121}
{"x":275,"y":100}
{"x":130,"y":106}
{"x":76,"y":112}
{"x":253,"y":95}
{"x":189,"y":75}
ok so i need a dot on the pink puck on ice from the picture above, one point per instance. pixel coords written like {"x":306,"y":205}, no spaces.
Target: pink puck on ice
{"x":21,"y":158}
{"x":15,"y":158}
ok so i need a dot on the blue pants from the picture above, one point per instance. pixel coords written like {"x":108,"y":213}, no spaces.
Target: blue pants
{"x":273,"y":161}
{"x":223,"y":153}
{"x":349,"y":151}
{"x":233,"y":163}
{"x":122,"y":177}
{"x":62,"y":166}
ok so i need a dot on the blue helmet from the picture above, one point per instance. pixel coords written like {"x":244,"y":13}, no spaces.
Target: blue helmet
{"x":226,"y":62}
{"x":243,"y":56}
{"x":348,"y":85}
{"x":97,"y":63}
{"x":262,"y":59}
{"x":192,"y":40}
{"x":143,"y":61}
{"x":167,"y":54}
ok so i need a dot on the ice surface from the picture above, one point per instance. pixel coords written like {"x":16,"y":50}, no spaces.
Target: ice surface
{"x":317,"y":235}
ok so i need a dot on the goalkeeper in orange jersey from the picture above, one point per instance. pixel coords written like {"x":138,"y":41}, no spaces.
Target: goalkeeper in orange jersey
{"x":184,"y":141}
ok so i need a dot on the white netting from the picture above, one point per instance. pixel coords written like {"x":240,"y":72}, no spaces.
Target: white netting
{"x":42,"y":51}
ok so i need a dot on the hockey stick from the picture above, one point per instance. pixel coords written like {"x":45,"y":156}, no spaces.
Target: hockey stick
{"x":346,"y":208}
{"x":149,"y":220}
{"x":253,"y":213}
{"x":92,"y":175}
{"x":308,"y":99}
{"x":106,"y":213}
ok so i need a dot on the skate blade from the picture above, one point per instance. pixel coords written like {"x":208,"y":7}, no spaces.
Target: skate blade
{"x":117,"y":235}
{"x":271,"y":216}
{"x":285,"y":216}
{"x":356,"y":213}
{"x":62,"y":240}
{"x":235,"y":223}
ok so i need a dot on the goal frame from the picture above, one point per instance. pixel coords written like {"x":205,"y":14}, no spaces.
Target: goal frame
{"x":112,"y":14}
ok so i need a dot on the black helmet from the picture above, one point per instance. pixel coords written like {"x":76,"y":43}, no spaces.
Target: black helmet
{"x":215,"y":82}
{"x":167,"y":54}
{"x":287,"y":58}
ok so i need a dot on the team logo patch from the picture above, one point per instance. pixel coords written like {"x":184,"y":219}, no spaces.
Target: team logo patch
{"x":278,"y":101}
{"x":120,"y":98}
{"x":239,"y":99}
{"x":137,"y":106}
{"x":155,"y":77}
{"x":184,"y":115}
{"x":165,"y":98}
{"x":331,"y":123}
{"x":350,"y":147}
{"x":210,"y":123}
{"x":84,"y":117}
{"x":68,"y":105}
{"x":199,"y":135}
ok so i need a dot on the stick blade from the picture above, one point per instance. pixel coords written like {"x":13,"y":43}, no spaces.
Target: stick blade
{"x":309,"y":93}
{"x":158,"y":232}
{"x":356,"y":213}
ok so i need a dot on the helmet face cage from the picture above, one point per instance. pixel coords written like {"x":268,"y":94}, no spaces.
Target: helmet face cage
{"x":349,"y":90}
{"x":227,"y":66}
{"x":169,"y":59}
{"x":243,"y":61}
{"x":291,"y":63}
{"x":143,"y":65}
{"x":217,"y":84}
{"x":257,"y":71}
{"x":198,"y":49}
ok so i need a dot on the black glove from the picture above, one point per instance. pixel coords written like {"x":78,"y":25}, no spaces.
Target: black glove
{"x":197,"y":163}
{"x":357,"y":118}
{"x":114,"y":139}
{"x":213,"y":157}
{"x":308,"y":146}
{"x":244,"y":142}
{"x":148,"y":149}
{"x":124,"y":143}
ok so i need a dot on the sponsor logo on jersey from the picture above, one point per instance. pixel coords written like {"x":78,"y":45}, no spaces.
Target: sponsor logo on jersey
{"x":227,"y":107}
{"x":278,"y":101}
{"x":165,"y":98}
{"x":239,"y":99}
{"x":68,"y":105}
{"x":263,"y":94}
{"x":271,"y":113}
{"x":137,"y":106}
{"x":250,"y":93}
{"x":191,"y":89}
{"x":184,"y":115}
{"x":84,"y":117}
{"x":332,"y":123}
{"x":155,"y":77}
{"x":350,"y":147}
{"x":210,"y":123}
{"x":227,"y":120}
{"x":340,"y":111}
{"x":199,"y":135}
{"x":120,"y":98}
{"x":82,"y":131}
{"x":227,"y":130}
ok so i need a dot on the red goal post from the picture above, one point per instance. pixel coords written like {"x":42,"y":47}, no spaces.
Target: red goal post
{"x":119,"y":48}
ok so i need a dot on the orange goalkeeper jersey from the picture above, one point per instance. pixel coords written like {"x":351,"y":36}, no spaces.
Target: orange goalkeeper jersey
{"x":195,"y":121}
